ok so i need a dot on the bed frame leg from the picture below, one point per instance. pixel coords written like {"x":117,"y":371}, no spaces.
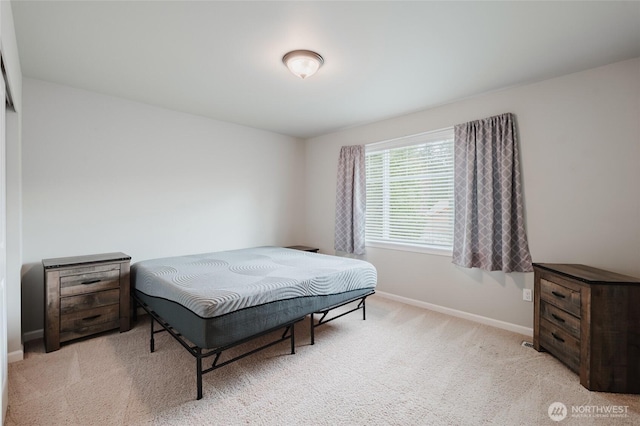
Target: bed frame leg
{"x":293,"y":338}
{"x":152,"y":343}
{"x":364,"y":309}
{"x":199,"y":371}
{"x":313,"y":337}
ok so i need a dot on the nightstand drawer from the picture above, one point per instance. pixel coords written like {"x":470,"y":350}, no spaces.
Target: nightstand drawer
{"x":560,"y":318}
{"x":560,"y":296}
{"x":89,"y":282}
{"x":89,"y":301}
{"x":86,"y":322}
{"x":561,"y":344}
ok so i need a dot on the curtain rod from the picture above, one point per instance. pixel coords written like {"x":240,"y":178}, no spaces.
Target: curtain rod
{"x":372,"y":144}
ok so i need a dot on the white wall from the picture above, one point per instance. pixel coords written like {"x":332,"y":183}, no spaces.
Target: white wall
{"x":580,"y":149}
{"x":103,"y":174}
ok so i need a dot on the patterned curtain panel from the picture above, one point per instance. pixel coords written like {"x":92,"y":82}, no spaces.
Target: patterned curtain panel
{"x":351,"y":200}
{"x":489,"y":230}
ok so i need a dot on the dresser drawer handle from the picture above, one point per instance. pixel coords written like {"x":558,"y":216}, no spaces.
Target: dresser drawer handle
{"x":91,"y":318}
{"x":557,"y":318}
{"x":555,"y":336}
{"x":97,"y":280}
{"x":560,"y":295}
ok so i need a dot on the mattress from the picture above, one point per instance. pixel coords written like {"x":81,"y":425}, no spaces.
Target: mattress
{"x":215,"y":284}
{"x":237,"y":326}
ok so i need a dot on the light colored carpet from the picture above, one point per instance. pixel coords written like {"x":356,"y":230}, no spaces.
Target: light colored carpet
{"x":402,"y":366}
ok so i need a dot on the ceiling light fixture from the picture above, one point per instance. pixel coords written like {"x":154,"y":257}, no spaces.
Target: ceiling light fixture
{"x":303,"y":63}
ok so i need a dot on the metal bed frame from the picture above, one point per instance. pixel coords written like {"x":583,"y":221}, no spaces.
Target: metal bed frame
{"x":289,"y":334}
{"x":322,"y":320}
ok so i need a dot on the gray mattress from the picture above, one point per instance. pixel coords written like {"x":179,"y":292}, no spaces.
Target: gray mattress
{"x":216,"y":299}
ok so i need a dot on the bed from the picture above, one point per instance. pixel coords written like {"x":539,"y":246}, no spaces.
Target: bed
{"x":214,"y":301}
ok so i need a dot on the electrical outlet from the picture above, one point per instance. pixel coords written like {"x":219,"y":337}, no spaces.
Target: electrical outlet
{"x":526,"y":294}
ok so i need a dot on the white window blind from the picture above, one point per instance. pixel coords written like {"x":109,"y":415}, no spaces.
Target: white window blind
{"x":410,"y":192}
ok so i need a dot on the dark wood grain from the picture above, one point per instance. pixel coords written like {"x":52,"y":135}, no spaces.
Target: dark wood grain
{"x":596,"y":312}
{"x":52,"y":311}
{"x":125,"y":297}
{"x":560,"y":343}
{"x":89,"y":317}
{"x":65,"y":262}
{"x":561,"y":318}
{"x":89,"y":301}
{"x":563,"y":297}
{"x":536,"y":309}
{"x":85,"y":295}
{"x":587,"y":274}
{"x":90,"y":281}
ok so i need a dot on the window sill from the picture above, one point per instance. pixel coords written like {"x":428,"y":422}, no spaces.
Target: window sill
{"x":409,"y":247}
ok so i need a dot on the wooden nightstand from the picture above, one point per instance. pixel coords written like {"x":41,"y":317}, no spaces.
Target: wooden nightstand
{"x":304,"y":248}
{"x":85,"y":295}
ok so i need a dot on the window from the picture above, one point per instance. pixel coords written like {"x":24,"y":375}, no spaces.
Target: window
{"x":410,"y":193}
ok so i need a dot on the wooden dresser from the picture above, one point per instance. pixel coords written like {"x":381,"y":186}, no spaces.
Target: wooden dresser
{"x":590,"y":320}
{"x":85,"y":295}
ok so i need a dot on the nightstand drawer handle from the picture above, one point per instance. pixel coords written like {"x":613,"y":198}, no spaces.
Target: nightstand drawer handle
{"x":97,"y":280}
{"x":556,"y":294}
{"x":555,"y":336}
{"x":557,"y":318}
{"x":91,"y":318}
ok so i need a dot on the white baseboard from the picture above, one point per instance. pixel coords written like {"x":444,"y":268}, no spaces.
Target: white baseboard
{"x":460,"y":314}
{"x":33,"y":335}
{"x":15,"y":356}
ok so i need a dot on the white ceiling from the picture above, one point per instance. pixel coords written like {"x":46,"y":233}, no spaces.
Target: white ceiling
{"x":382,"y":59}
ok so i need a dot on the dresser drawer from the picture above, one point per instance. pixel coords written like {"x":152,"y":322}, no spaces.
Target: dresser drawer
{"x":89,"y":282}
{"x":560,"y":318}
{"x":89,"y":301}
{"x":90,"y":321}
{"x":560,"y":296}
{"x":561,"y":344}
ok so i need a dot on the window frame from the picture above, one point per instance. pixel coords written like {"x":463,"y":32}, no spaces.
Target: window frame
{"x":407,"y":141}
